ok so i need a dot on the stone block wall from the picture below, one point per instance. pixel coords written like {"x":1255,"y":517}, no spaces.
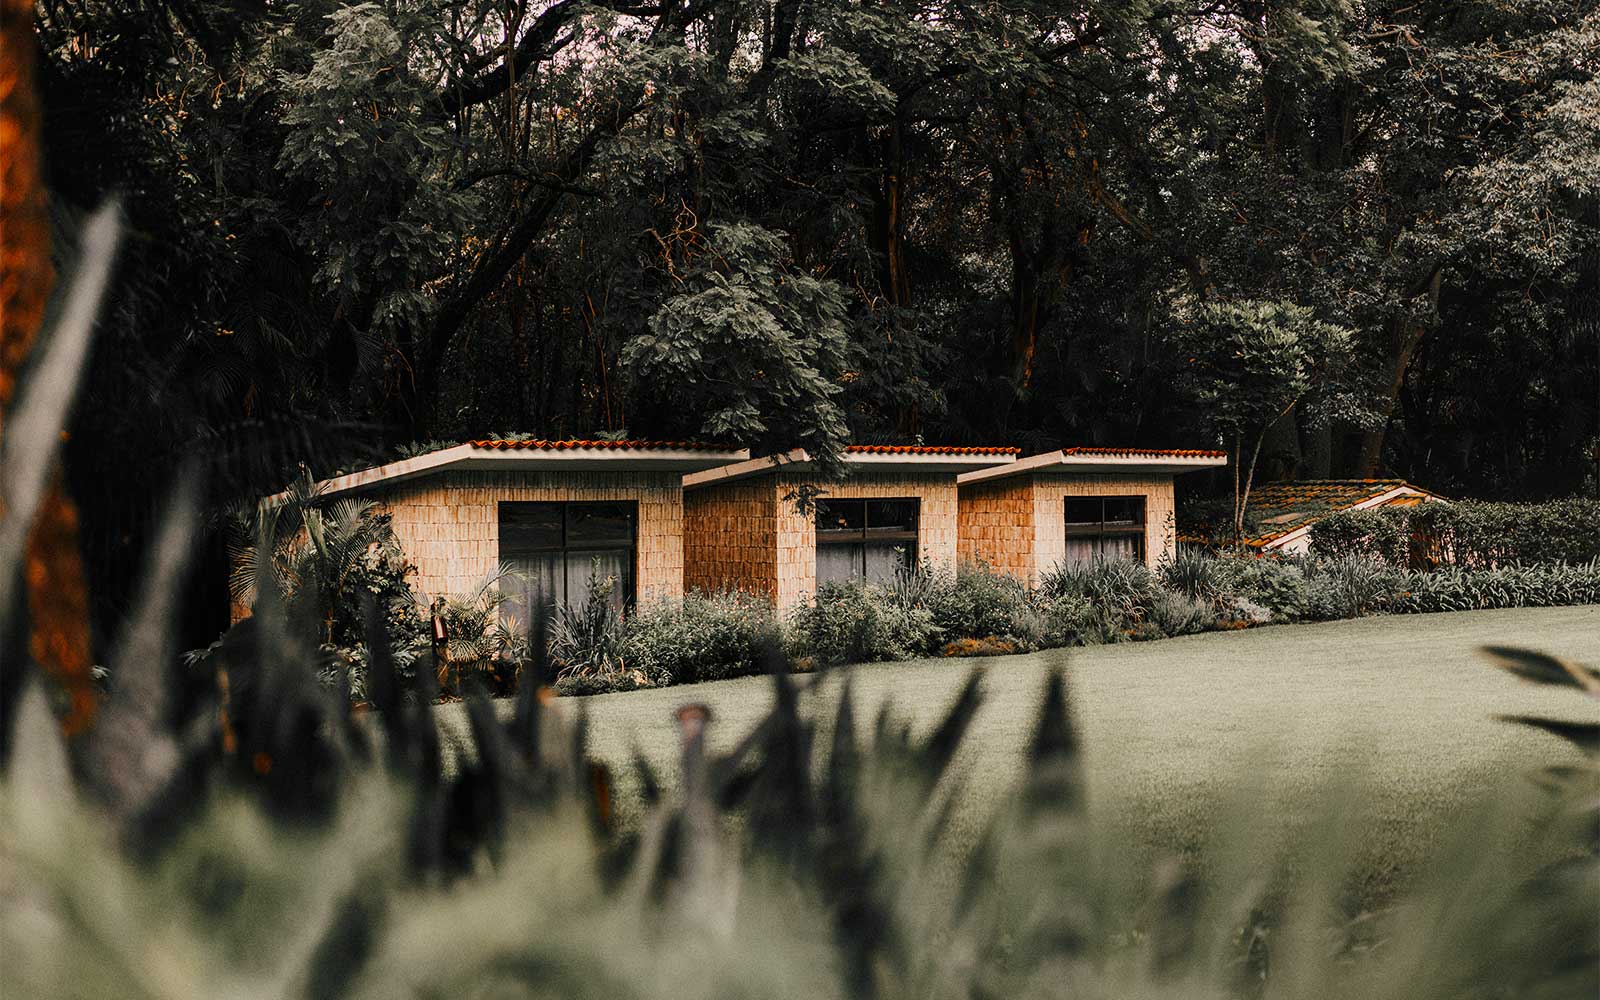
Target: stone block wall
{"x":730,"y":537}
{"x":449,"y":524}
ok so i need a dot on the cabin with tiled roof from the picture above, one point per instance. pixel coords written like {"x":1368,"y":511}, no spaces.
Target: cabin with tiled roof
{"x":552,"y":511}
{"x":743,"y":528}
{"x":1074,"y":505}
{"x":1279,"y":516}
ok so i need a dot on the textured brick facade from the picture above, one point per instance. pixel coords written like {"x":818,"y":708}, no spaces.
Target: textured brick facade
{"x":449,"y":524}
{"x":745,"y":535}
{"x":1017,"y":524}
{"x":730,"y":537}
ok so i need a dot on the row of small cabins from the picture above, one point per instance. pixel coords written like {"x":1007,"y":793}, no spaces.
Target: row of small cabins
{"x":663,"y":517}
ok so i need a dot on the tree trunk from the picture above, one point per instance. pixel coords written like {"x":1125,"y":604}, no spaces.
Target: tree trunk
{"x":1405,"y":334}
{"x":888,"y":237}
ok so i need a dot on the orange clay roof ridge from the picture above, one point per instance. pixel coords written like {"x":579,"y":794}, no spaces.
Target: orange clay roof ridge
{"x":629,"y":445}
{"x":1173,"y":452}
{"x":922,"y":449}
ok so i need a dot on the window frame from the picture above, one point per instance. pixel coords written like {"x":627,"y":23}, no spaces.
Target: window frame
{"x":1099,"y":530}
{"x":631,"y":546}
{"x":864,"y":537}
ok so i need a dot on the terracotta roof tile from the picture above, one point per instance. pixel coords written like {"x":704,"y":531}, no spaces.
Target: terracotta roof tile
{"x":1282,"y":507}
{"x":919,"y":449}
{"x":632,"y":445}
{"x":1151,"y":452}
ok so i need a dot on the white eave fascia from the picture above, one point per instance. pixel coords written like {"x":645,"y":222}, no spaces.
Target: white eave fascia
{"x":1060,"y":461}
{"x":470,"y":458}
{"x":799,"y":460}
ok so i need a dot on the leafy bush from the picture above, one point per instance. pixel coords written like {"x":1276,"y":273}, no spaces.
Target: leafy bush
{"x":705,"y":638}
{"x":1074,"y":620}
{"x":1469,"y":533}
{"x":1352,"y":586}
{"x":1380,"y":533}
{"x":1277,"y":584}
{"x":1453,"y":588}
{"x":1124,"y":589}
{"x":481,"y":642}
{"x":979,"y":604}
{"x":1194,"y":573}
{"x":1179,"y":614}
{"x":860,"y":622}
{"x":990,"y":646}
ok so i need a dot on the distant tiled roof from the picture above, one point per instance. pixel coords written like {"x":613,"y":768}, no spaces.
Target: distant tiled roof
{"x":1147,"y":452}
{"x":633,"y":445}
{"x":920,"y":449}
{"x":1276,"y":509}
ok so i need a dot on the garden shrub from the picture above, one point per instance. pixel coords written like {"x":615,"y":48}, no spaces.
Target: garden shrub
{"x":1074,"y":620}
{"x":1144,"y":631}
{"x":1242,"y":612}
{"x":1471,"y":533}
{"x":1381,"y":533}
{"x":1122,"y":589}
{"x":1454,"y":588}
{"x":860,"y":622}
{"x":586,"y":640}
{"x":1274,"y":583}
{"x":990,"y":646}
{"x":1177,"y":613}
{"x":1197,"y":574}
{"x":979,"y":603}
{"x":706,"y":638}
{"x":1352,"y":586}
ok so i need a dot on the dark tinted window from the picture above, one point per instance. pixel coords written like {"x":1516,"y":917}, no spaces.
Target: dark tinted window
{"x":603,"y":524}
{"x":869,"y":539}
{"x":1100,"y":528}
{"x":553,"y":549}
{"x":834,"y":516}
{"x":891,"y":516}
{"x":1084,"y":510}
{"x":529,"y":526}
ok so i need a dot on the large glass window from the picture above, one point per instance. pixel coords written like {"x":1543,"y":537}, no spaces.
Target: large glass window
{"x":555,"y":548}
{"x":868,"y":539}
{"x":1105,"y":528}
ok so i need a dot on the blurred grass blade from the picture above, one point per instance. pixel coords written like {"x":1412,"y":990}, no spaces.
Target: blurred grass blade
{"x":129,"y":753}
{"x":33,"y":429}
{"x":943,"y":743}
{"x":1584,"y":735}
{"x":1541,"y":668}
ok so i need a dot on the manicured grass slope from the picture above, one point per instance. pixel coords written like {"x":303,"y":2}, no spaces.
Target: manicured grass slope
{"x":1167,"y":725}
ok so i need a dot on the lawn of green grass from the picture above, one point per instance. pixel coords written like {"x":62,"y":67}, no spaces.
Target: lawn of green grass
{"x":1165,"y":724}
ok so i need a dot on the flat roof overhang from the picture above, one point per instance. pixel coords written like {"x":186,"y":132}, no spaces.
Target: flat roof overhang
{"x":1101,"y":462}
{"x":568,"y":458}
{"x":797,"y":460}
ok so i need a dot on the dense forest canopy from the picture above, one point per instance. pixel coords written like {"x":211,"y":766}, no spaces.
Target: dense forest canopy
{"x":356,"y":227}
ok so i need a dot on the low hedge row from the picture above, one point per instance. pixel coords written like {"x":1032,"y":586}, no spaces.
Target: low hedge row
{"x":932,"y":613}
{"x":1470,"y":533}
